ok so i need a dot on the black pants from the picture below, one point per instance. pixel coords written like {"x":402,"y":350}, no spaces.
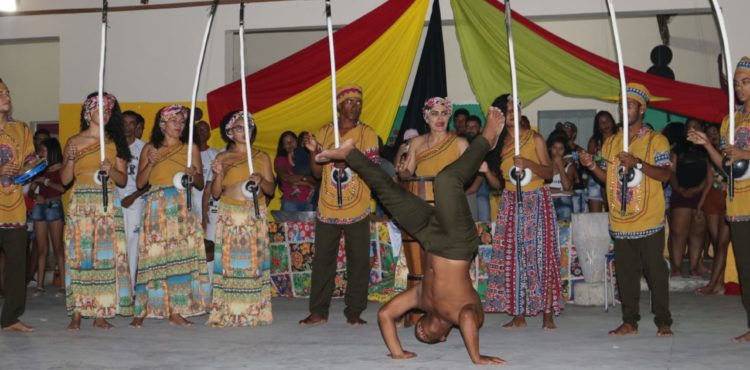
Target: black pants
{"x":634,"y":258}
{"x":13,"y":242}
{"x":447,"y":229}
{"x":357,"y":245}
{"x":740,"y":232}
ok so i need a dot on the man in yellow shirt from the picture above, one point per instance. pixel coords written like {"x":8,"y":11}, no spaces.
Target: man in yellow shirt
{"x":638,"y":233}
{"x":16,"y":149}
{"x":351,"y":217}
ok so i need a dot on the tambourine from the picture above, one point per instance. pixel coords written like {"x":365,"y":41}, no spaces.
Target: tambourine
{"x":180,"y":180}
{"x":633,"y":176}
{"x":525,"y":176}
{"x":30,"y":171}
{"x":738,"y":168}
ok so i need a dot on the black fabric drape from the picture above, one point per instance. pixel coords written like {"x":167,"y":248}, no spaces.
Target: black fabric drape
{"x":430,"y":79}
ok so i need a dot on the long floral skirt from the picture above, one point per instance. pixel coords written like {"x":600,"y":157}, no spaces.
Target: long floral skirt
{"x":242,"y":275}
{"x":172,"y":274}
{"x":524,"y":272}
{"x":97,"y":278}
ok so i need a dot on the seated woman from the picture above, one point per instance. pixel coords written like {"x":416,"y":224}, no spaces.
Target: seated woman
{"x":297,"y":190}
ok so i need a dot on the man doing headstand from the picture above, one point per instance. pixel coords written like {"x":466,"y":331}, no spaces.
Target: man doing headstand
{"x":448,"y":235}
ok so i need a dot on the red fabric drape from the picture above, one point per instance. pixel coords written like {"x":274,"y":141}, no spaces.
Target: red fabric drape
{"x":305,"y":68}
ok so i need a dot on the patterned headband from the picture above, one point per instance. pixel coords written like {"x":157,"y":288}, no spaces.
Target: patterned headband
{"x":639,"y":93}
{"x":92,"y":103}
{"x":348,"y":91}
{"x":170,"y":111}
{"x":434,"y":102}
{"x":235,"y":120}
{"x":744,"y":64}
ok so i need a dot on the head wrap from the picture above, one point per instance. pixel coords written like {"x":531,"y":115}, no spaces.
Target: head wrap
{"x":638,"y":93}
{"x":236,"y":120}
{"x":743,"y":66}
{"x":348,"y":91}
{"x":434,"y":102}
{"x":91,"y":104}
{"x":170,"y":111}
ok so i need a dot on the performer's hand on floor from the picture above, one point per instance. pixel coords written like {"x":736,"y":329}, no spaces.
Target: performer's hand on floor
{"x":488,"y":360}
{"x":403,"y":356}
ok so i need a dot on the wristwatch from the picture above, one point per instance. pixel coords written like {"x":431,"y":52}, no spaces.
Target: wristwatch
{"x":639,"y":165}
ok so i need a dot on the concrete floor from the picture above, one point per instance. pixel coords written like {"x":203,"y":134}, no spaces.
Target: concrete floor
{"x":703,"y":327}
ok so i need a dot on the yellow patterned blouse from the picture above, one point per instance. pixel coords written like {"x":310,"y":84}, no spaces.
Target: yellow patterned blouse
{"x":16,"y":146}
{"x":645,"y":203}
{"x":355,"y":193}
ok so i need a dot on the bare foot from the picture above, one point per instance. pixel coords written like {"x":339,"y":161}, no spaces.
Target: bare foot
{"x":19,"y":327}
{"x":744,"y":338}
{"x":404,"y":355}
{"x":710,"y":290}
{"x":335,"y":154}
{"x":136,"y":323}
{"x":517,"y":323}
{"x":548,"y":323}
{"x":623,"y":330}
{"x":356,"y":321}
{"x":494,"y":126}
{"x":75,"y":322}
{"x":177,"y":320}
{"x":488,"y":360}
{"x":102,"y":323}
{"x":313,"y":319}
{"x":664,"y":331}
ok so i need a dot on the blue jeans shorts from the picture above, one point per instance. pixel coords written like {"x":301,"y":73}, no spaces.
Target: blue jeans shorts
{"x":51,"y":210}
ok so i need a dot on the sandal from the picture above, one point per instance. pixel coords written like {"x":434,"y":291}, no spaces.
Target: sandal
{"x":39,"y":291}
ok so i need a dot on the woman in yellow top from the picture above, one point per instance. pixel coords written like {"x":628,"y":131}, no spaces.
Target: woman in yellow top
{"x":172,"y":279}
{"x":738,"y":209}
{"x":524,"y":273}
{"x":242,"y":267}
{"x":96,"y":264}
{"x":428,"y":154}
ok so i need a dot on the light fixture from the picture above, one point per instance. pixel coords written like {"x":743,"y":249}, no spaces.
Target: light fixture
{"x":8,"y":5}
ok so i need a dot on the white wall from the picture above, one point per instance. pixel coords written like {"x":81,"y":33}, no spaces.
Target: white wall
{"x":27,"y":66}
{"x":152,"y":54}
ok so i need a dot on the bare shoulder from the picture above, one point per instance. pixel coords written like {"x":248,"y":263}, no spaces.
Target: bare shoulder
{"x":147,"y":148}
{"x":222,"y":157}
